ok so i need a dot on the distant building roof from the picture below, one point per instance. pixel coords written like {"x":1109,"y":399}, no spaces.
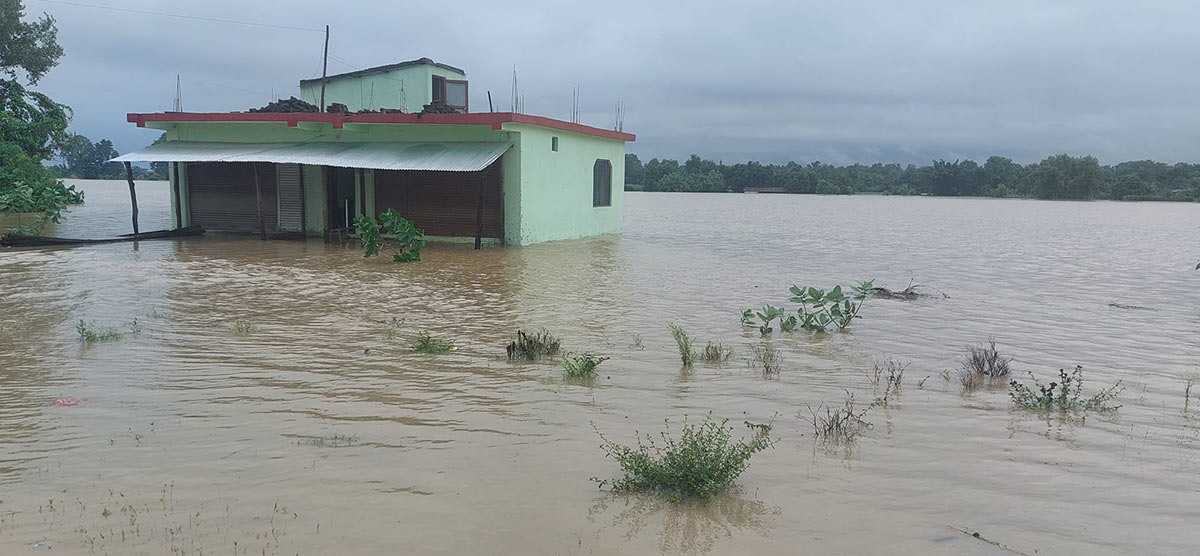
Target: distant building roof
{"x":386,"y":68}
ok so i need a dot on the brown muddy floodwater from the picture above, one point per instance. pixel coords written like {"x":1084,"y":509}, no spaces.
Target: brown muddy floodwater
{"x":320,"y":433}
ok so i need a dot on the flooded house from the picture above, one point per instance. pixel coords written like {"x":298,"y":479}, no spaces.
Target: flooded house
{"x":401,"y":136}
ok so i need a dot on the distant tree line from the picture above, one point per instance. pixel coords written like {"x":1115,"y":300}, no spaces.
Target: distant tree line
{"x":81,"y":158}
{"x":1056,"y":177}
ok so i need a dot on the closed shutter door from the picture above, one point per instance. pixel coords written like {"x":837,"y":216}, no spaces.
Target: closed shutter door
{"x":222,"y":197}
{"x":288,"y":192}
{"x":444,"y":203}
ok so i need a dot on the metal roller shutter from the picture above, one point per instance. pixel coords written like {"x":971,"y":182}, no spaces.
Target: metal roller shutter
{"x":222,"y":197}
{"x":288,"y":191}
{"x":444,"y":203}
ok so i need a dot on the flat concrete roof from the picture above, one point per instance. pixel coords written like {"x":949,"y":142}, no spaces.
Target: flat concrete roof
{"x":495,"y":120}
{"x":386,"y":68}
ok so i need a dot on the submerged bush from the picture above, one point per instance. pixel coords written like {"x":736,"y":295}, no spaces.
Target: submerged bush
{"x":715,"y":352}
{"x":90,"y":332}
{"x":426,"y":343}
{"x":982,"y":364}
{"x":890,"y":374}
{"x":700,"y":463}
{"x":532,"y":347}
{"x":839,"y":425}
{"x":684,"y":342}
{"x":393,"y":231}
{"x":1064,"y":396}
{"x":768,"y":358}
{"x":818,"y":310}
{"x":582,"y":365}
{"x":243,"y":327}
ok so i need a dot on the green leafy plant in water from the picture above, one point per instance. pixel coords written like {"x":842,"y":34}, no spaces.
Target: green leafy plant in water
{"x":687,"y":354}
{"x":581,"y":365}
{"x":818,"y":310}
{"x":701,"y":462}
{"x":425,"y":343}
{"x":534,"y":346}
{"x":766,"y":317}
{"x":391,"y":231}
{"x":1064,"y":396}
{"x":89,"y":332}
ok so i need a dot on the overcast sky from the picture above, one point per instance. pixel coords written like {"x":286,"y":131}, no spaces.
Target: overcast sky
{"x":841,"y":82}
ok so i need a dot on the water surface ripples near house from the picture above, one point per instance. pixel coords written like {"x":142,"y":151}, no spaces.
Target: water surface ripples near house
{"x":314,"y":430}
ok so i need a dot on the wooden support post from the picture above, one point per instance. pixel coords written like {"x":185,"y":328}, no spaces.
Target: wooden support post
{"x":132,"y":196}
{"x":178,"y":200}
{"x":479,"y":212}
{"x":325,"y":200}
{"x":262,"y":225}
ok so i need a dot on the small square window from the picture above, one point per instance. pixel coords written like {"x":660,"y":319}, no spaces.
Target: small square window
{"x":554,"y":144}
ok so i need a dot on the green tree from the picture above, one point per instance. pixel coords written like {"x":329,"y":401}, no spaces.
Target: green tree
{"x":1067,"y":177}
{"x":32,"y":125}
{"x":88,"y":160}
{"x":634,"y":172}
{"x":1130,"y":185}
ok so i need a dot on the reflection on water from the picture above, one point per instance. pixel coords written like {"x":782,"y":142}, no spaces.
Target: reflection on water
{"x":465,"y":452}
{"x":688,"y":527}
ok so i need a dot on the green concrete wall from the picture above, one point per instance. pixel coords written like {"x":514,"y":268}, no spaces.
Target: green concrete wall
{"x":547,"y":194}
{"x":356,"y":92}
{"x":314,"y":201}
{"x":555,"y":199}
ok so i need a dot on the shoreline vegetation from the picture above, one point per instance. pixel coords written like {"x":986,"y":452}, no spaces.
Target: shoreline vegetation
{"x":1055,"y":177}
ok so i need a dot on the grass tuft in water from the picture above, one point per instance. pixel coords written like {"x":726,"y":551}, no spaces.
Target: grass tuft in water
{"x":425,"y":343}
{"x":842,"y":424}
{"x":687,"y":353}
{"x":329,"y":441}
{"x":767,"y":358}
{"x":889,"y":374}
{"x":1065,"y":396}
{"x":531,"y":347}
{"x":715,"y":352}
{"x":581,"y":365}
{"x":982,"y":365}
{"x":90,"y":332}
{"x":1190,"y":380}
{"x":243,"y":327}
{"x":701,"y":462}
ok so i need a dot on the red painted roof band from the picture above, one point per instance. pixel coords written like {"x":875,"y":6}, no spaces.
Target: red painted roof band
{"x":292,"y":119}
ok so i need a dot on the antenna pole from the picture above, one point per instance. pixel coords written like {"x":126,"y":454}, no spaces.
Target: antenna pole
{"x":324,"y":67}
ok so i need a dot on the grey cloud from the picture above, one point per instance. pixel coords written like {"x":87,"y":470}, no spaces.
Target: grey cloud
{"x":861,"y":81}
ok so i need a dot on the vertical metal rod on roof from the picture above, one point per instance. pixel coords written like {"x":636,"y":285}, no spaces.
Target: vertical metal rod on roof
{"x":490,"y":108}
{"x":132,"y":196}
{"x":324,"y":67}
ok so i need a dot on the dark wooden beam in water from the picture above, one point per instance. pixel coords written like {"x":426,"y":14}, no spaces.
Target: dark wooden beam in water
{"x":479,"y":212}
{"x":132,"y":196}
{"x":262,"y":225}
{"x":178,"y":201}
{"x":17,"y":240}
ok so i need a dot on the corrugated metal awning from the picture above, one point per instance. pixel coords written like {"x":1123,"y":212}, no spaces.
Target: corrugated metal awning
{"x":451,"y":157}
